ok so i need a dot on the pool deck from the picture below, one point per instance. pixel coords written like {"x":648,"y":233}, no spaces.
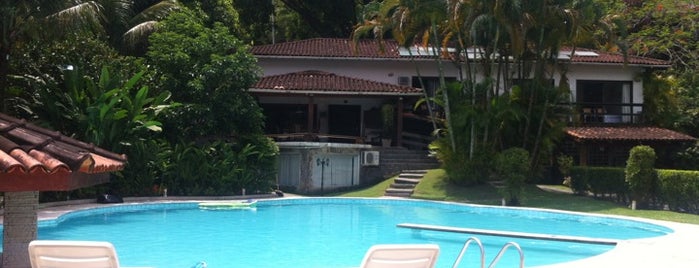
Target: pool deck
{"x":674,"y":250}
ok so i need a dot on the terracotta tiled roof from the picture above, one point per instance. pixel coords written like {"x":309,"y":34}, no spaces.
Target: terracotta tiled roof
{"x":615,"y":58}
{"x":324,"y":83}
{"x":329,"y":47}
{"x":27,"y":150}
{"x":630,"y":133}
{"x":369,"y":48}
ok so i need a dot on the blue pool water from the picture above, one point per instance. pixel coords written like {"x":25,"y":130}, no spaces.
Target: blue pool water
{"x":327,"y":232}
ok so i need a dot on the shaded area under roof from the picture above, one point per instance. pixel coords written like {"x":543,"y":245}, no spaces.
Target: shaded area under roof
{"x":627,"y":133}
{"x":37,"y":159}
{"x":324,"y":83}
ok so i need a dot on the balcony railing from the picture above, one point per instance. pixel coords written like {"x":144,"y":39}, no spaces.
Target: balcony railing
{"x":606,"y":113}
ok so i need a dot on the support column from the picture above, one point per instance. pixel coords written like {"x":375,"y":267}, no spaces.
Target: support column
{"x":19,"y":227}
{"x":310,"y":115}
{"x":399,"y":124}
{"x":583,"y":153}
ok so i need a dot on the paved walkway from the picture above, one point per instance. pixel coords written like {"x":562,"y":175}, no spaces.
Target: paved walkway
{"x":676,"y":250}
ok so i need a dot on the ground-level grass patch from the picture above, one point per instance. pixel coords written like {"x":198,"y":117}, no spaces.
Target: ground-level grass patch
{"x":435,"y":186}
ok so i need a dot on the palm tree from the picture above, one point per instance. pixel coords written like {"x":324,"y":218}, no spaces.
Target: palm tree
{"x":409,"y":21}
{"x":132,"y":36}
{"x":123,"y":22}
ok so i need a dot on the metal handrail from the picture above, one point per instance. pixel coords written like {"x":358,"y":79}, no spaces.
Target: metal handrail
{"x":465,"y":247}
{"x":502,"y":251}
{"x":463,"y":251}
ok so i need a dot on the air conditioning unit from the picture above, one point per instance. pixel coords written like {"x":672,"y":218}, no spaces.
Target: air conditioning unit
{"x":370,"y":158}
{"x":404,"y":80}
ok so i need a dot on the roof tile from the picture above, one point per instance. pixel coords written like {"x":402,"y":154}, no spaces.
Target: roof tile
{"x":627,"y":133}
{"x":616,"y":58}
{"x":26,"y":148}
{"x":319,"y":82}
{"x":330,"y":47}
{"x":370,"y":48}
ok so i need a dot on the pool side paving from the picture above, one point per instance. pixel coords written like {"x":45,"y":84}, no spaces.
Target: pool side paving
{"x":675,"y":250}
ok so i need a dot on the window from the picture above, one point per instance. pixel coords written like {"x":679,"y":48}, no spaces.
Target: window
{"x":608,"y":100}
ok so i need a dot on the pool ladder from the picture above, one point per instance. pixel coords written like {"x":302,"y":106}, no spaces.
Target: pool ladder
{"x":496,"y":259}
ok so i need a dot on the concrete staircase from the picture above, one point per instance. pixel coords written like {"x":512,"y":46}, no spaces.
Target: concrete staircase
{"x":404,"y":184}
{"x":396,"y":159}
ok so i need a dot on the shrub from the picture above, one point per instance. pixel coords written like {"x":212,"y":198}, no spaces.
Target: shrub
{"x":565,"y":163}
{"x":680,"y":189}
{"x":459,"y":169}
{"x":607,"y":181}
{"x":578,"y":180}
{"x":512,"y":165}
{"x":641,"y":175}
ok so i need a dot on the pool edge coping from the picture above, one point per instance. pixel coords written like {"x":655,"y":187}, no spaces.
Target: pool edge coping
{"x":640,"y":252}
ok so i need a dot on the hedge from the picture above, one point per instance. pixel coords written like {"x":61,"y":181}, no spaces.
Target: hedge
{"x":679,"y":189}
{"x":599,"y":181}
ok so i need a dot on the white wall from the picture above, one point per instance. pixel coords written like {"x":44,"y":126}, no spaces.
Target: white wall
{"x":606,"y":73}
{"x":386,"y":71}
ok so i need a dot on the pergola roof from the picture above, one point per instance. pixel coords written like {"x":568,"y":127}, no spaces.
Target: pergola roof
{"x":324,"y":83}
{"x":37,"y":159}
{"x":627,"y":133}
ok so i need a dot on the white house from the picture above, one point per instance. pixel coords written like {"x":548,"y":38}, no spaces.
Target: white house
{"x":324,"y":91}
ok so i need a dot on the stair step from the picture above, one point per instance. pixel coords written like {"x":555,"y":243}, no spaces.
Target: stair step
{"x":399,"y":190}
{"x":416,"y":171}
{"x":402,"y":186}
{"x":411,"y":175}
{"x":397,"y":194}
{"x":412,"y":181}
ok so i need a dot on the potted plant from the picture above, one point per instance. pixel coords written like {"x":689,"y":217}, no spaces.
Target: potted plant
{"x":388,"y":121}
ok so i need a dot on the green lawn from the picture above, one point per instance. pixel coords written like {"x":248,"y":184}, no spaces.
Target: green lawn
{"x":435,"y":187}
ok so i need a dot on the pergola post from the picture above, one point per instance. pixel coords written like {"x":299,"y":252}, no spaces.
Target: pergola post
{"x":19,"y":227}
{"x":310,"y":115}
{"x":399,"y":123}
{"x":584,"y":153}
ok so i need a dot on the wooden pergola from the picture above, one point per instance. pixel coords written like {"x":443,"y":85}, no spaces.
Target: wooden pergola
{"x":34,"y":159}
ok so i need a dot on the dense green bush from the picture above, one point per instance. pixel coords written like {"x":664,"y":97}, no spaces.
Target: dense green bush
{"x":607,"y":181}
{"x":220,"y":168}
{"x":641,"y":175}
{"x":599,"y":181}
{"x":578,"y":180}
{"x":565,"y":163}
{"x":512,"y":166}
{"x":679,"y":189}
{"x":459,"y":168}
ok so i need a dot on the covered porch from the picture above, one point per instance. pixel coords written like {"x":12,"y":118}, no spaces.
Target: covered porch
{"x":318,"y":106}
{"x":610,"y":145}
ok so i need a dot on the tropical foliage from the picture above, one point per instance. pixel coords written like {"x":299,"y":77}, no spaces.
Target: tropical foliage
{"x":508,"y":51}
{"x":641,"y":175}
{"x":65,"y":64}
{"x":216,"y":137}
{"x":512,"y":166}
{"x":209,"y":71}
{"x":80,"y":82}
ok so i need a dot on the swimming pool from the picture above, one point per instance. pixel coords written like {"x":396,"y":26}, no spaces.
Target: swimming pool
{"x":327,"y":232}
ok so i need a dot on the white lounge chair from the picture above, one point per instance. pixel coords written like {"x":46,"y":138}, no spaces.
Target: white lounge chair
{"x":401,"y":256}
{"x":72,"y":254}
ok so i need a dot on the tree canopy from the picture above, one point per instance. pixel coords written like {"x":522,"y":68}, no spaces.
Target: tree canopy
{"x":209,"y":71}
